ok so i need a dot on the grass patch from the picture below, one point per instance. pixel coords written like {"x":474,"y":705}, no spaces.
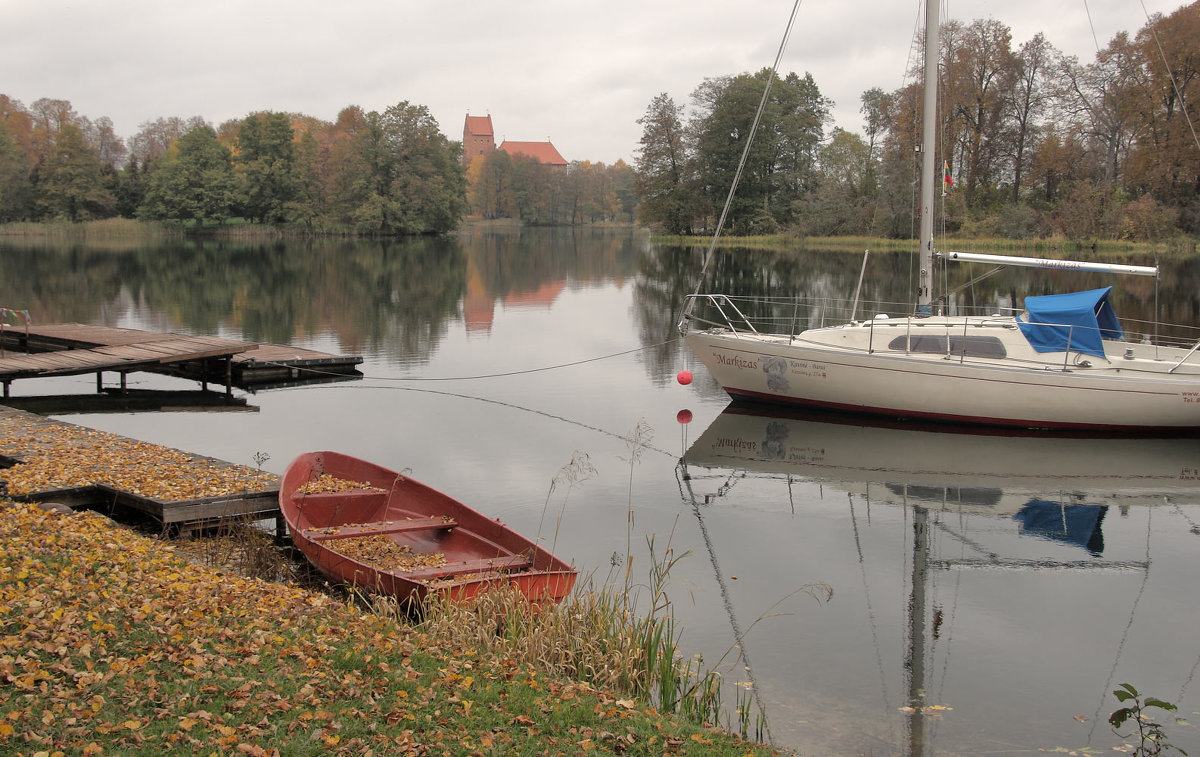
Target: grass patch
{"x":111,"y":643}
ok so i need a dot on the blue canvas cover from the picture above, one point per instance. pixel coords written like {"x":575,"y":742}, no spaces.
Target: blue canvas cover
{"x":1081,"y":319}
{"x":1077,"y":525}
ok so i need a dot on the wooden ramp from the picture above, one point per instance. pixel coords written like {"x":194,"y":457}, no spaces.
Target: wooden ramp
{"x":65,"y":349}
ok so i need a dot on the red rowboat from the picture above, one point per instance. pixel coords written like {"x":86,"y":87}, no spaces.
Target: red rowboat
{"x":374,"y":529}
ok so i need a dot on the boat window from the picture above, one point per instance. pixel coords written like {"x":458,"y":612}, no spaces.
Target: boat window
{"x":970,"y":346}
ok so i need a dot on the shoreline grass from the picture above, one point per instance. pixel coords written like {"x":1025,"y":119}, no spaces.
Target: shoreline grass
{"x":1053,"y":247}
{"x":113,"y":643}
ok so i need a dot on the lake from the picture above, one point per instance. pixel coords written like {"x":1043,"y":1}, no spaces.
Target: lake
{"x":989,"y":590}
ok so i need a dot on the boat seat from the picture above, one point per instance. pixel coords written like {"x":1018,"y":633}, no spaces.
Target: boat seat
{"x":374,"y":528}
{"x":486,"y":565}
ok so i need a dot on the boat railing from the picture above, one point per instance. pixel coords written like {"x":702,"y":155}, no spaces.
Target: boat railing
{"x":788,"y":316}
{"x":779,"y":315}
{"x":724,"y":305}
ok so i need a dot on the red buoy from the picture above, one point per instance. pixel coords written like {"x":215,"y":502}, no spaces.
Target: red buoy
{"x":684,"y":377}
{"x":684,"y":416}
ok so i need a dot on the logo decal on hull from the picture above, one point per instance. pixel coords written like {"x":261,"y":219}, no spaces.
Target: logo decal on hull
{"x":776,"y":370}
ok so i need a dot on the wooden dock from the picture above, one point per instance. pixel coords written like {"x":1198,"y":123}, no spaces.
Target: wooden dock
{"x":43,"y":460}
{"x":67,"y":349}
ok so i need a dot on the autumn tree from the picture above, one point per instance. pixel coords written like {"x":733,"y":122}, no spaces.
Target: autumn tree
{"x":488,"y":179}
{"x":1164,"y":159}
{"x":979,"y":73}
{"x":265,"y":167}
{"x":1025,"y":104}
{"x":428,"y":185}
{"x":194,"y":181}
{"x":16,"y":189}
{"x":154,"y":138}
{"x":1058,"y":159}
{"x":1099,"y":99}
{"x":842,"y":196}
{"x":71,"y":181}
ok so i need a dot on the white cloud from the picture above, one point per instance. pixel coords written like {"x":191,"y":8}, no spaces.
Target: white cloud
{"x":580,"y":72}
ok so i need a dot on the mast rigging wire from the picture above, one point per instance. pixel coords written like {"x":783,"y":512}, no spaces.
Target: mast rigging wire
{"x":737,"y":176}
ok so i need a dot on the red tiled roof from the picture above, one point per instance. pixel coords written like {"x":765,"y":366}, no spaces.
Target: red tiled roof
{"x":480,"y":125}
{"x":542,"y":152}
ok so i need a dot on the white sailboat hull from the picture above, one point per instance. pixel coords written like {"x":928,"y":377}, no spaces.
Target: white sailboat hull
{"x":851,"y":368}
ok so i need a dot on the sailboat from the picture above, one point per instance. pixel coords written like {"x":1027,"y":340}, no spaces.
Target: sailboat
{"x":1065,"y":362}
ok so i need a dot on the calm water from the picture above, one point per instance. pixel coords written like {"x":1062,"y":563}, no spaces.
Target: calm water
{"x":1006,"y":584}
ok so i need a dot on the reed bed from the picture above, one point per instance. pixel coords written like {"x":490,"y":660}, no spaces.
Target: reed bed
{"x":596,"y":636}
{"x":1112,"y":250}
{"x":622,"y":641}
{"x":125,"y":230}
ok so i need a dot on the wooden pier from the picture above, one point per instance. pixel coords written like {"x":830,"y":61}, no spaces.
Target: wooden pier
{"x":43,"y":460}
{"x":68,"y":349}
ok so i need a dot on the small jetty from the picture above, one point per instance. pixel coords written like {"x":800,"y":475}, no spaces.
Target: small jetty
{"x":44,"y":460}
{"x":71,"y":349}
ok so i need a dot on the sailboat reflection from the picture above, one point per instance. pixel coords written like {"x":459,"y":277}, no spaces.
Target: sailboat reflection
{"x":1049,"y":487}
{"x":944,"y":467}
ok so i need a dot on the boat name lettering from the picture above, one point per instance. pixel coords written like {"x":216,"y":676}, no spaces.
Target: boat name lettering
{"x":736,"y":443}
{"x":737,"y":361}
{"x":1189,"y":474}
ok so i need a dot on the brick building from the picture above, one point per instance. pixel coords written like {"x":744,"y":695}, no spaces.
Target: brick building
{"x":479,"y":139}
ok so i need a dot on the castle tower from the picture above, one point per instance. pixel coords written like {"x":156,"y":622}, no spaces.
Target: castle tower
{"x":478,"y":138}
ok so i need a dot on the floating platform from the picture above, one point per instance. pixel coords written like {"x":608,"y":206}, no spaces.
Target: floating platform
{"x":68,"y":349}
{"x":43,"y":460}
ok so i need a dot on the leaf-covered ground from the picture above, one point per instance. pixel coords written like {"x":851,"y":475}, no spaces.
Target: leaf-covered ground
{"x":111,"y":643}
{"x":62,"y":456}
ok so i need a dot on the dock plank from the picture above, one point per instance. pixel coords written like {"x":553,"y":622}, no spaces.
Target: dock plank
{"x":185,"y":355}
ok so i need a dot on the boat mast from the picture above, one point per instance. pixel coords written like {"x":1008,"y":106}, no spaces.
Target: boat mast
{"x":928,"y":158}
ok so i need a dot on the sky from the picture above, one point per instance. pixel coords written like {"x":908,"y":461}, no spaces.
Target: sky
{"x":579,"y":73}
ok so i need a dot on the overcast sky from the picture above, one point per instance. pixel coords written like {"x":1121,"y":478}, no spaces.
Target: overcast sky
{"x":577,"y":72}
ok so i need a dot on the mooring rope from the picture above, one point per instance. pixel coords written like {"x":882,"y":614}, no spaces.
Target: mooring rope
{"x":555,"y":367}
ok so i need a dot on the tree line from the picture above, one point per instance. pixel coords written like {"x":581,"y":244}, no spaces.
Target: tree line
{"x":1034,"y":144}
{"x":501,"y":185}
{"x":375,"y":173}
{"x":367,"y":172}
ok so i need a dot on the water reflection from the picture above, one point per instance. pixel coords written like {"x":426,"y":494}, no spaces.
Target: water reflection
{"x":1023,"y":514}
{"x":1028,"y":619}
{"x":395,"y":298}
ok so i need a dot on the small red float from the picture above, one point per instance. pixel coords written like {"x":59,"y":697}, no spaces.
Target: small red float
{"x":684,"y":377}
{"x":684,"y":416}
